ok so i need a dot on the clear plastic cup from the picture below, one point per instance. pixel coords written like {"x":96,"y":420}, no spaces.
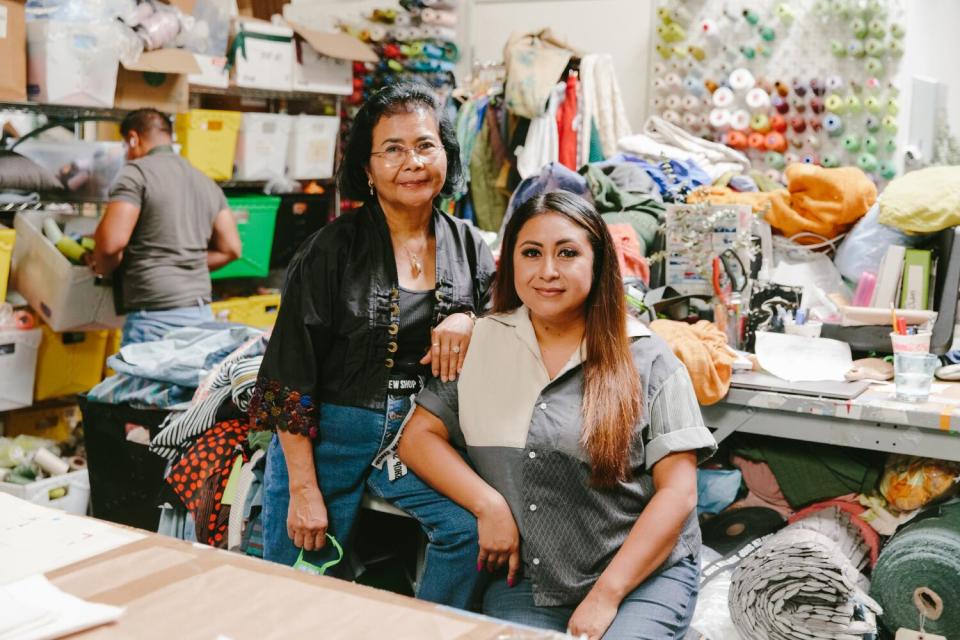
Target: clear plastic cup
{"x":913,"y":375}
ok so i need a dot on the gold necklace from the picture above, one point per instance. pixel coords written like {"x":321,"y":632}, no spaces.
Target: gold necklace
{"x":415,"y":264}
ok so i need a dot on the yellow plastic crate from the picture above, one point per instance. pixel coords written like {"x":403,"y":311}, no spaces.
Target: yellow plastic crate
{"x":7,"y":238}
{"x":114,"y":337}
{"x":229,"y":310}
{"x":55,"y":422}
{"x":69,"y":362}
{"x":261,"y":311}
{"x":208,"y":139}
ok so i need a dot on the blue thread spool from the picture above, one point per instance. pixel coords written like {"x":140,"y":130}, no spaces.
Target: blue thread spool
{"x":833,"y":124}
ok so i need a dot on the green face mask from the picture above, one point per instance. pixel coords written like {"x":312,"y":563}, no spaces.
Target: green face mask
{"x":307,"y":567}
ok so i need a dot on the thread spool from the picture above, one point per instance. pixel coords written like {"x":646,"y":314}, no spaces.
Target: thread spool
{"x":817,"y":87}
{"x":799,"y":87}
{"x":796,"y":142}
{"x":672,"y":116}
{"x":872,"y":124}
{"x":859,"y":28}
{"x":889,"y":124}
{"x":834,"y":83}
{"x":870,"y":144}
{"x":660,"y":85}
{"x":693,"y":85}
{"x":691,"y":103}
{"x":53,"y":464}
{"x":657,"y":103}
{"x":758,"y":99}
{"x":851,"y":143}
{"x":784,"y":13}
{"x":691,"y":121}
{"x":895,"y":49}
{"x":740,"y":119}
{"x":815,"y":123}
{"x":816,"y":105}
{"x":77,"y":463}
{"x":834,"y":104}
{"x":798,"y":124}
{"x":719,"y":118}
{"x":810,"y":158}
{"x":673,"y":101}
{"x":890,"y":145}
{"x":887,"y":170}
{"x":778,"y":123}
{"x":735,"y":139}
{"x":781,"y":105}
{"x":833,"y":125}
{"x":774,"y":175}
{"x":766,"y":85}
{"x":897,"y":30}
{"x":768,"y":34}
{"x":723,"y":97}
{"x":790,"y":157}
{"x":874,"y":66}
{"x":377,"y":33}
{"x":877,"y":28}
{"x":775,"y":141}
{"x":751,"y":17}
{"x":838,"y":49}
{"x":742,"y":80}
{"x":893,"y":107}
{"x":760,"y":122}
{"x":711,"y":86}
{"x":781,"y":88}
{"x":830,"y":161}
{"x":704,"y":120}
{"x":798,"y":104}
{"x":697,"y":53}
{"x":664,"y":51}
{"x":813,"y":141}
{"x":774,"y":160}
{"x":874,"y":48}
{"x":673,"y":81}
{"x":659,"y":69}
{"x":867,"y":162}
{"x":852,"y":104}
{"x":710,"y":29}
{"x":873,"y":84}
{"x":756,"y":141}
{"x":855,"y":87}
{"x":855,"y":49}
{"x":748,"y":52}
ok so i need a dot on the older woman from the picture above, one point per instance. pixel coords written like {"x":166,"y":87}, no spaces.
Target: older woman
{"x":377,"y":300}
{"x":584,"y":431}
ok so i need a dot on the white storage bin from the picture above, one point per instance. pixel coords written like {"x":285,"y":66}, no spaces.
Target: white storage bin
{"x":316,"y":73}
{"x":85,"y":169}
{"x":72,"y":62}
{"x":263,"y":62}
{"x":67,"y":296}
{"x":313,"y":146}
{"x":213,"y":72}
{"x":18,"y":367}
{"x":262,"y":146}
{"x":76,"y":499}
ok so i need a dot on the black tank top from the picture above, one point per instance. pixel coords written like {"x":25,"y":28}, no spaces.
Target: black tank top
{"x":413,"y":339}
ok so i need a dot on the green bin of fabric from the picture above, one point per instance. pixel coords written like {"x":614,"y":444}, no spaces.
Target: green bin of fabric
{"x":256,"y":218}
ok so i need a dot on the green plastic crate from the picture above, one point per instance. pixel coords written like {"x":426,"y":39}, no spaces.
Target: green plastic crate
{"x":256,"y":218}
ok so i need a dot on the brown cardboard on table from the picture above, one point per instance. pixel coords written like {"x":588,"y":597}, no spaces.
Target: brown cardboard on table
{"x":13,"y":51}
{"x":157,"y":80}
{"x":174,"y":589}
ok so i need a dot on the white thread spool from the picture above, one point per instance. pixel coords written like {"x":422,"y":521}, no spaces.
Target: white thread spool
{"x":672,"y":116}
{"x":723,"y":98}
{"x":719,"y":118}
{"x":52,"y":464}
{"x":673,"y":102}
{"x":740,"y":119}
{"x":742,"y":80}
{"x":659,"y":69}
{"x":674,"y":81}
{"x":758,"y":99}
{"x":691,"y":103}
{"x":691,"y":121}
{"x":657,"y":103}
{"x":790,"y":157}
{"x":660,"y":85}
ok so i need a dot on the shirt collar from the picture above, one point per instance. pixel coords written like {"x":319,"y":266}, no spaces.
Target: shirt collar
{"x":161,"y":148}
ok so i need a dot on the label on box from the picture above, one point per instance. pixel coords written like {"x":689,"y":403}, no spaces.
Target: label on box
{"x":909,"y":634}
{"x":3,"y":21}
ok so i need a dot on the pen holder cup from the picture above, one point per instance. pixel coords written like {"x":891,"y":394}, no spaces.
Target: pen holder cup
{"x":809,"y":329}
{"x":917,"y":343}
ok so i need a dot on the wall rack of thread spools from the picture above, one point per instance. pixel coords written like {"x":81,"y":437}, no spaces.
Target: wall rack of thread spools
{"x":783,"y":81}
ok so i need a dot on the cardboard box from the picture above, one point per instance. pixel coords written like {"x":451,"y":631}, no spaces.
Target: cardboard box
{"x":213,"y":72}
{"x":13,"y":51}
{"x":326,"y":64}
{"x":263,"y":55}
{"x":54,"y":421}
{"x":72,"y":63}
{"x":159,"y":79}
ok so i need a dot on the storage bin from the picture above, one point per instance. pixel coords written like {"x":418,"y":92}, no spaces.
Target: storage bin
{"x":261,"y":311}
{"x":262,"y":146}
{"x":313,"y":146}
{"x":208,"y":139}
{"x":18,"y":367}
{"x":262,"y":55}
{"x":42,"y":492}
{"x":68,"y":297}
{"x":72,"y":62}
{"x":54,"y":421}
{"x":7,"y":239}
{"x":300,"y":216}
{"x":114,"y":338}
{"x":256,"y":217}
{"x":229,"y":310}
{"x":85,"y":169}
{"x":69,"y":362}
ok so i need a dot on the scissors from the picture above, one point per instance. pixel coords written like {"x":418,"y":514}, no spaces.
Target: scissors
{"x":729,"y":275}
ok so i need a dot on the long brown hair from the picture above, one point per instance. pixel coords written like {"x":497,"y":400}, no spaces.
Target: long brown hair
{"x":611,"y":389}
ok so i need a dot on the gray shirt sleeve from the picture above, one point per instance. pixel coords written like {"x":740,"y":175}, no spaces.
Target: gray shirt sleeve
{"x":128,"y":187}
{"x":675,"y":422}
{"x":442,"y":400}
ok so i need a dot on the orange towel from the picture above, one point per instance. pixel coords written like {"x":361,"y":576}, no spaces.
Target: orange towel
{"x":826,"y":202}
{"x":702,"y":347}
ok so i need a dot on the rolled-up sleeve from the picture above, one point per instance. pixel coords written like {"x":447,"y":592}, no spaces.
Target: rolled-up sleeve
{"x":283,"y":398}
{"x":442,"y":400}
{"x":675,"y":422}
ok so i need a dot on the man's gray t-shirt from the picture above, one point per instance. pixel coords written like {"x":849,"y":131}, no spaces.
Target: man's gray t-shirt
{"x":165,"y":263}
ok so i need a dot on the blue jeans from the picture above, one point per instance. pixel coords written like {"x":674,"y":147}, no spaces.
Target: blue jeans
{"x":349,"y":440}
{"x":147,"y":326}
{"x":659,"y":609}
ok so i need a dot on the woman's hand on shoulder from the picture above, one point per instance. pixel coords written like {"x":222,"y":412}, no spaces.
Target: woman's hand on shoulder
{"x":499,"y":538}
{"x":449,"y":343}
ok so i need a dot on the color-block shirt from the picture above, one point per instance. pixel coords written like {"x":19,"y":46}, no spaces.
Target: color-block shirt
{"x":521,"y":430}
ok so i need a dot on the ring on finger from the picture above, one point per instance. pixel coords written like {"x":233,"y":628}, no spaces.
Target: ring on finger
{"x":436,"y":344}
{"x":456,"y":348}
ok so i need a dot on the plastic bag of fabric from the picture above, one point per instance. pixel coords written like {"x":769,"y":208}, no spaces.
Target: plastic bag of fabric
{"x":717,"y":489}
{"x":909,"y":483}
{"x":864,"y":247}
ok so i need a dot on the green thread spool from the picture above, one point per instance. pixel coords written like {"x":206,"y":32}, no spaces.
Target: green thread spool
{"x":877,"y":28}
{"x":748,"y":52}
{"x":889,"y":124}
{"x":834,"y":104}
{"x":874,"y":48}
{"x":766,"y":52}
{"x":852,"y":104}
{"x":870,"y":144}
{"x":895,"y":49}
{"x":867,"y":162}
{"x":887,"y":170}
{"x":856,"y":49}
{"x":859,"y":28}
{"x":774,"y":160}
{"x":830,"y":161}
{"x":893,"y":107}
{"x":760,"y":122}
{"x":874,"y":66}
{"x":838,"y":49}
{"x":785,"y":13}
{"x":751,"y":17}
{"x":677,"y":32}
{"x":897,"y":30}
{"x":697,"y":53}
{"x":768,"y":34}
{"x":851,"y":143}
{"x":665,"y":52}
{"x":873,"y":104}
{"x":890,"y":145}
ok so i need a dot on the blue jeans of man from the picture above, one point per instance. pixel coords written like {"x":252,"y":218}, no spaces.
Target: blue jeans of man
{"x":661,"y":608}
{"x":147,"y":326}
{"x":349,"y":440}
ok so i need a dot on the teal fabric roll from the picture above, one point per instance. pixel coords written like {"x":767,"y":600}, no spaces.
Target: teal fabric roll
{"x":921,"y":566}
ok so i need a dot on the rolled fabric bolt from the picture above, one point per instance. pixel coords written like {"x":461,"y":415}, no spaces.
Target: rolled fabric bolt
{"x":775,"y":142}
{"x":671,"y":116}
{"x":798,"y":104}
{"x":890,"y":145}
{"x":833,"y":125}
{"x":781,"y":105}
{"x":694,"y":85}
{"x":893,"y":107}
{"x":77,"y":463}
{"x":740,"y":119}
{"x":790,"y":157}
{"x":784,"y":13}
{"x":895,"y":49}
{"x":735,"y":139}
{"x":889,"y":124}
{"x":720,"y":118}
{"x":674,"y":81}
{"x":813,"y":141}
{"x":768,"y":34}
{"x":830,"y":161}
{"x":697,"y":53}
{"x":774,"y":175}
{"x":877,"y":28}
{"x":798,"y":124}
{"x":851,"y":143}
{"x":760,"y":122}
{"x":872,"y":124}
{"x":742,"y":80}
{"x":816,"y":105}
{"x":887,"y":170}
{"x":858,"y":28}
{"x":856,"y":49}
{"x":51,"y":463}
{"x":818,"y":87}
{"x":870,"y":144}
{"x":723,"y":97}
{"x":673,"y":101}
{"x":799,"y":87}
{"x":838,"y":49}
{"x":897,"y":30}
{"x":778,"y":123}
{"x":834,"y":83}
{"x":867,"y":162}
{"x":781,"y":88}
{"x":852,"y":104}
{"x":774,"y":160}
{"x":810,"y":158}
{"x":756,"y":141}
{"x":873,"y":104}
{"x":748,"y":52}
{"x":874,"y":66}
{"x":758,"y":99}
{"x":691,"y":103}
{"x":834,"y":104}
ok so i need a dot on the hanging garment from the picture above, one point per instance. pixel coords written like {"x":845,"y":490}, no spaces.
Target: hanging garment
{"x":469,"y":121}
{"x":566,"y":132}
{"x":602,"y":103}
{"x":542,"y":144}
{"x":486,"y":164}
{"x":534,"y":62}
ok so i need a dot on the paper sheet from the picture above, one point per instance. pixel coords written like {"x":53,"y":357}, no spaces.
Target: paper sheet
{"x":803,"y":359}
{"x":35,"y":539}
{"x":34,"y":609}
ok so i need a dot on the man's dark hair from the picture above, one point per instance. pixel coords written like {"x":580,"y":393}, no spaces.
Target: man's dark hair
{"x":402,"y":97}
{"x":144,"y":121}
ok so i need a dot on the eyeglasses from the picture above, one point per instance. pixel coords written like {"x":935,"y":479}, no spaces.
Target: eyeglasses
{"x":426,"y":152}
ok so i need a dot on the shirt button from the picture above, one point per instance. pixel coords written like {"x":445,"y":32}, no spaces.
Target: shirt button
{"x":393,"y":329}
{"x":389,"y":363}
{"x":532,"y":454}
{"x":533,"y":507}
{"x":543,"y":406}
{"x":536,"y":562}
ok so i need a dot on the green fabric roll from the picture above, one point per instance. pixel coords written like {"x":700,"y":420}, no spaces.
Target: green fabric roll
{"x":922,"y":559}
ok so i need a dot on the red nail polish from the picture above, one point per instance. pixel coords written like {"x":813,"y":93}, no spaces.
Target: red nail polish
{"x":510,"y":582}
{"x":479,"y":566}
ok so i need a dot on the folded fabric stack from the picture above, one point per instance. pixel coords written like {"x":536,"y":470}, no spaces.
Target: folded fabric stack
{"x":805,"y":583}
